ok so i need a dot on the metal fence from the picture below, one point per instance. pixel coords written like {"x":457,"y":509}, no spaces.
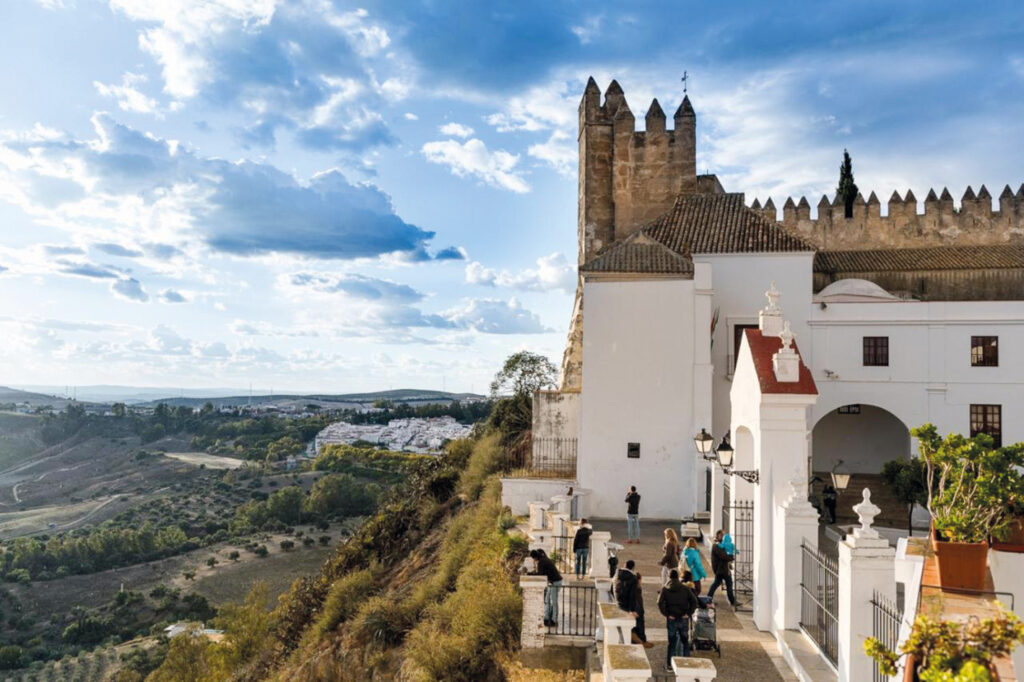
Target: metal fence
{"x":562,"y":554}
{"x":726,"y":504}
{"x":819,"y":601}
{"x":553,"y":457}
{"x":577,"y":609}
{"x":885,"y":627}
{"x":738,"y":520}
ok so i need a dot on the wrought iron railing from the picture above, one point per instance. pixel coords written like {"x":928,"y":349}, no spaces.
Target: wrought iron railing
{"x":885,"y":627}
{"x":562,"y":554}
{"x":577,"y":609}
{"x":741,"y":514}
{"x":819,"y":601}
{"x":554,"y":457}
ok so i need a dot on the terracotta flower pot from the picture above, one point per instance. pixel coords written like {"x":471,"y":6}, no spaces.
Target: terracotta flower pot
{"x":962,"y":565}
{"x":1015,"y":533}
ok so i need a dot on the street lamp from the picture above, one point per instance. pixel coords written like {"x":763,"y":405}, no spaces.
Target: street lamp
{"x":723,"y":455}
{"x":840,"y":481}
{"x":705,"y":445}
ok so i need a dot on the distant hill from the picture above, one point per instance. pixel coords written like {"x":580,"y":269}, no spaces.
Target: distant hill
{"x":13,"y":395}
{"x":411,"y":396}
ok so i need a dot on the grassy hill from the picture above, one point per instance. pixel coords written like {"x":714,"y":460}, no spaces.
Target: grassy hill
{"x":411,"y":396}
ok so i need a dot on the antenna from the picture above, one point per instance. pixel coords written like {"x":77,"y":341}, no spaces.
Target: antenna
{"x":685,"y":77}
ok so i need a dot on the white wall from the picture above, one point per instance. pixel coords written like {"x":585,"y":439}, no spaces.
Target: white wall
{"x":556,"y":414}
{"x":1008,"y":576}
{"x":929,"y":377}
{"x":518,"y":493}
{"x":740,"y":282}
{"x":638,"y":386}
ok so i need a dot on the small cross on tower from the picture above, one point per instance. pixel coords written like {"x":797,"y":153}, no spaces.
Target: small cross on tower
{"x":684,"y":79}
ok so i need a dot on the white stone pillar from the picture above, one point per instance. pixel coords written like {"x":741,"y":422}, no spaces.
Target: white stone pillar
{"x":866,"y":566}
{"x":693,"y":669}
{"x":797,"y":522}
{"x":560,"y":503}
{"x":537,"y":510}
{"x":532,"y":636}
{"x":599,"y":540}
{"x":560,"y":525}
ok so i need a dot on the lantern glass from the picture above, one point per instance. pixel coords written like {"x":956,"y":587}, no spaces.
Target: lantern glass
{"x":704,"y":442}
{"x":840,"y":481}
{"x":725,"y":456}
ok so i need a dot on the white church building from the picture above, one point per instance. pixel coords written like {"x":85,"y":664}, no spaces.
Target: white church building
{"x":895,"y":328}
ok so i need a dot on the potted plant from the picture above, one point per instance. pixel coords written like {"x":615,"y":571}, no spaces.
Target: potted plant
{"x":969,"y":484}
{"x":948,"y":651}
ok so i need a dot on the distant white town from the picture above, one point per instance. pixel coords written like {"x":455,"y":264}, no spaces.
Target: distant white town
{"x":411,"y":435}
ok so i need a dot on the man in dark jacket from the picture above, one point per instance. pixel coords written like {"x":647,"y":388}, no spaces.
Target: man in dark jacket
{"x":581,"y":547}
{"x":677,"y":602}
{"x":629,"y":597}
{"x":546,"y":567}
{"x":720,"y":561}
{"x":632,"y":515}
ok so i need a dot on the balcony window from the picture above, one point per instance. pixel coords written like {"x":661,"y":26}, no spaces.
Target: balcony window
{"x":984,"y":351}
{"x":876,"y":351}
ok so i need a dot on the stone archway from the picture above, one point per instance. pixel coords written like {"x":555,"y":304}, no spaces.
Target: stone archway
{"x":863,"y":437}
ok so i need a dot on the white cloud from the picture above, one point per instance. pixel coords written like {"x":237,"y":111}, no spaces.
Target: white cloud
{"x":542,"y":107}
{"x":552,"y":272}
{"x":473,"y":159}
{"x":130,"y":288}
{"x":491,"y":316}
{"x":558,"y":152}
{"x":588,"y":30}
{"x":128,"y":97}
{"x":456,"y":130}
{"x":411,"y":116}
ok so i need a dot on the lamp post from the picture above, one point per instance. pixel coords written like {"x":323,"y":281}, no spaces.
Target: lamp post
{"x":723,"y":455}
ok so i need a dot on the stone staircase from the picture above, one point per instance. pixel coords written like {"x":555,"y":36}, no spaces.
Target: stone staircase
{"x":894,"y":512}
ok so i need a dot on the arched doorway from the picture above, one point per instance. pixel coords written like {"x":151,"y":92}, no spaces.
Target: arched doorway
{"x":863,"y":438}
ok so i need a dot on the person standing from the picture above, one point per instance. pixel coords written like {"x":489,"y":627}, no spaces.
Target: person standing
{"x":581,"y":548}
{"x":721,"y":558}
{"x":694,"y":563}
{"x":677,"y":603}
{"x":633,"y":515}
{"x":546,"y":567}
{"x":630,"y":599}
{"x":830,"y":497}
{"x":670,"y":554}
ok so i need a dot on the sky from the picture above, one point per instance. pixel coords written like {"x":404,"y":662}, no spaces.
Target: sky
{"x":310,"y":195}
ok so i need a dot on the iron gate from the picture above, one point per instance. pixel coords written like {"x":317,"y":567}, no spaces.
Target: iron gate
{"x":577,"y":609}
{"x":738,"y":520}
{"x":819,"y":601}
{"x":726,"y":504}
{"x":562,"y":554}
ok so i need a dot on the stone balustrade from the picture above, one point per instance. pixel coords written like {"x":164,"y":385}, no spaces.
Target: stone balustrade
{"x":693,"y":669}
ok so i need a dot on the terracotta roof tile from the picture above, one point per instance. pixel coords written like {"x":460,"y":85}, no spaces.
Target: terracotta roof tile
{"x":721,"y":223}
{"x":763,"y":348}
{"x":995,"y":256}
{"x":641,"y":255}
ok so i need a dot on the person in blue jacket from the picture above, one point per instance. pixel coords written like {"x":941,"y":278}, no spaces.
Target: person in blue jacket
{"x":694,"y":563}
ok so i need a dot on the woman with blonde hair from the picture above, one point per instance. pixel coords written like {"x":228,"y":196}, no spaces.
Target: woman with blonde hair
{"x":670,"y":556}
{"x":694,"y":563}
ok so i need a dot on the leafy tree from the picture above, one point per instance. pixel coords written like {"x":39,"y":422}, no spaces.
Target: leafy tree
{"x":189,"y":575}
{"x":119,"y":409}
{"x":285,"y":505}
{"x":287,"y":545}
{"x":908,"y":481}
{"x":11,"y":657}
{"x":847,"y":188}
{"x":212,"y":561}
{"x":342,"y":495}
{"x":522,"y":374}
{"x":234,"y":555}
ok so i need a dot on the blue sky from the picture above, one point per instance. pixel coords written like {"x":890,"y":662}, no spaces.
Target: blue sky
{"x":318,"y":195}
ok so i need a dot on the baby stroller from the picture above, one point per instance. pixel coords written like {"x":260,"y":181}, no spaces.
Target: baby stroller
{"x":704,"y":627}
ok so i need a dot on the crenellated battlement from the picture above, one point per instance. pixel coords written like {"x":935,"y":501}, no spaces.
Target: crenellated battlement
{"x":628,"y":177}
{"x":973,"y":222}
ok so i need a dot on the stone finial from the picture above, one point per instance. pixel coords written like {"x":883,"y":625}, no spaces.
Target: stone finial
{"x":824,"y":202}
{"x":787,"y":338}
{"x":770,"y":318}
{"x":655,"y":118}
{"x":895,"y":198}
{"x":789,"y":203}
{"x":946,"y":196}
{"x":798,"y":486}
{"x":803,"y":203}
{"x":592,"y":86}
{"x":1020,"y":192}
{"x":866,"y":512}
{"x":873,"y":199}
{"x":983,"y":193}
{"x":1007,"y":193}
{"x":910,"y":198}
{"x":932,"y":196}
{"x":969,"y":195}
{"x":773,"y":299}
{"x":757,"y":202}
{"x":786,"y":362}
{"x":685,"y":109}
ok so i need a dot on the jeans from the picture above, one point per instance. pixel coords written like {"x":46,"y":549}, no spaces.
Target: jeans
{"x":581,"y":562}
{"x":633,"y":526}
{"x":551,"y":601}
{"x":640,"y":628}
{"x":678,"y":639}
{"x":727,"y":579}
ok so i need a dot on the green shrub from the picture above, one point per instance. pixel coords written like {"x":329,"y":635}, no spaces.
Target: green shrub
{"x":486,"y":458}
{"x":381,"y":622}
{"x":343,"y":599}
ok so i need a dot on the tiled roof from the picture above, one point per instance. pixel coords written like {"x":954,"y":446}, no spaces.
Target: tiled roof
{"x":640,"y":255}
{"x":721,"y":223}
{"x":995,"y":256}
{"x":762,"y":348}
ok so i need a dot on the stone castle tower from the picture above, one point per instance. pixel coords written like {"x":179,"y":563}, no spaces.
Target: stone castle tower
{"x":629,"y":178}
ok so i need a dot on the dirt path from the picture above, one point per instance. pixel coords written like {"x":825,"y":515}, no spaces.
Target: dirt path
{"x":89,"y":514}
{"x":14,"y":490}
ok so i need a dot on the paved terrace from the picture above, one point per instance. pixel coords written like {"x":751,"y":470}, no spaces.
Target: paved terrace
{"x":747,"y":654}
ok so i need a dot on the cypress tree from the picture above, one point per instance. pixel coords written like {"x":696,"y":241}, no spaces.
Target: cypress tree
{"x":847,"y":189}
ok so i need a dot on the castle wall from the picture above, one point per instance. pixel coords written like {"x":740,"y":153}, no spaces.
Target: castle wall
{"x":940,"y":285}
{"x":941,"y":223}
